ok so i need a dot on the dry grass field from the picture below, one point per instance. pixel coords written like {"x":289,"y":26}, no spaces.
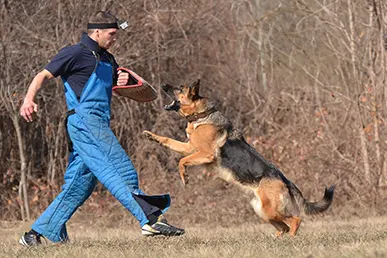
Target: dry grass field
{"x":321,"y":238}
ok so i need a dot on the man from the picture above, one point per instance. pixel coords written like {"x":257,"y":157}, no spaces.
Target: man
{"x":88,"y":72}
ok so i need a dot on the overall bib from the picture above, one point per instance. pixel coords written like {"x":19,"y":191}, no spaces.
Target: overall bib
{"x":96,"y":156}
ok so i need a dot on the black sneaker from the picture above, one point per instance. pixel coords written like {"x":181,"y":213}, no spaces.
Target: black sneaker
{"x":161,"y":227}
{"x":31,"y":239}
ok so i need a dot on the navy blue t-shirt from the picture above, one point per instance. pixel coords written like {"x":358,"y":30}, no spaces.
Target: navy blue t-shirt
{"x":76,"y":63}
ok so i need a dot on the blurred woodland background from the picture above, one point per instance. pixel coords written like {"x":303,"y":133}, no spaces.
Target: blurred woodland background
{"x":305,"y":80}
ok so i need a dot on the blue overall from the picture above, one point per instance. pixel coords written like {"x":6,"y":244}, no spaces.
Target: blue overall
{"x":96,"y":155}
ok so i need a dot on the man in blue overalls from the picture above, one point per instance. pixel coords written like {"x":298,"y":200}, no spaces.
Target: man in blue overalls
{"x":88,"y":72}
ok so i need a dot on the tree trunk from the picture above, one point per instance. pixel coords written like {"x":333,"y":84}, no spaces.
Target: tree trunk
{"x":363,"y":141}
{"x":23,"y":191}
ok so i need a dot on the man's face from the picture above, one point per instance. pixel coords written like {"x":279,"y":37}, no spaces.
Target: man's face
{"x":106,"y":37}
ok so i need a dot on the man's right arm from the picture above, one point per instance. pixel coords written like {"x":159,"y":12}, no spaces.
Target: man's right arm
{"x":61,"y":64}
{"x":29,"y":106}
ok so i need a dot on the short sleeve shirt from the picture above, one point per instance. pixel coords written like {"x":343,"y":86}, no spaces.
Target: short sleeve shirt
{"x":76,"y":63}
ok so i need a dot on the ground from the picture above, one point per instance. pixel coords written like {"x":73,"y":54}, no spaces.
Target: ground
{"x":322,"y":237}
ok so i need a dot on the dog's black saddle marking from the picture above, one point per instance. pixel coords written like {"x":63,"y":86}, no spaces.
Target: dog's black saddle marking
{"x":247,"y":165}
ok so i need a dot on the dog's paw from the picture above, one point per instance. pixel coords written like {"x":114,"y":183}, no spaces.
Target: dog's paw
{"x":150,"y":136}
{"x":184,"y":179}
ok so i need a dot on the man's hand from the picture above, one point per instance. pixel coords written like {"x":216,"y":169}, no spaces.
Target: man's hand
{"x":123,"y":78}
{"x":27,"y":109}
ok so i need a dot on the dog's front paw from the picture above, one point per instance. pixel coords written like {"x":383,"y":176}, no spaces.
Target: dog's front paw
{"x":150,"y":136}
{"x":184,"y":179}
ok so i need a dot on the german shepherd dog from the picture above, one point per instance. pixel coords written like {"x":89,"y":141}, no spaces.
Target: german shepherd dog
{"x":213,"y":140}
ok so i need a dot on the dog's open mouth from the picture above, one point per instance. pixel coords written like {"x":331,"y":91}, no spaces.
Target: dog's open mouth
{"x":175,"y":104}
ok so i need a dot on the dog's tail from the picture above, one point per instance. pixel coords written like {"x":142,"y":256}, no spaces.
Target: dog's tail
{"x":312,"y":207}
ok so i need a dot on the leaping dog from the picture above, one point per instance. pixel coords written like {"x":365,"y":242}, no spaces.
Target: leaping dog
{"x":213,"y":140}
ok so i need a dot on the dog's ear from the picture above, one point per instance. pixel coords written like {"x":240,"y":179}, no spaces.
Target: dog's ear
{"x":194,"y":89}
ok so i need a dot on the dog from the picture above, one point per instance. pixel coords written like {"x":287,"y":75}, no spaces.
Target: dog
{"x":212,"y":140}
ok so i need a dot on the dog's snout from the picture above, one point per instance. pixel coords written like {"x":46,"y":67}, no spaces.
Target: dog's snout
{"x":175,"y":105}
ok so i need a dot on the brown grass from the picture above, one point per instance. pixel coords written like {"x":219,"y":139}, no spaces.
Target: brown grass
{"x":322,"y":238}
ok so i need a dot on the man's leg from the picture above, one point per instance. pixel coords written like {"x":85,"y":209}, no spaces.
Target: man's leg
{"x":79,"y":184}
{"x":104,"y":156}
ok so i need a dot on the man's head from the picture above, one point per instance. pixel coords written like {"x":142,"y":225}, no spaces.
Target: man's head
{"x":102,"y":28}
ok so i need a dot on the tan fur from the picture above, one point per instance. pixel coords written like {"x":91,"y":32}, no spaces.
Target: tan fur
{"x":200,"y":149}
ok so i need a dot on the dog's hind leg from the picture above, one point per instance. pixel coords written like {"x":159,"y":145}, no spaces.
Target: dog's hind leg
{"x":266,"y":209}
{"x":274,"y":206}
{"x":280,"y":226}
{"x":183,"y":148}
{"x":289,"y":212}
{"x":198,"y":158}
{"x":294,"y":223}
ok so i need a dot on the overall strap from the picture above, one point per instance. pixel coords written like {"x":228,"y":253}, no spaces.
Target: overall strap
{"x":95,"y":54}
{"x":98,"y":57}
{"x":69,"y":142}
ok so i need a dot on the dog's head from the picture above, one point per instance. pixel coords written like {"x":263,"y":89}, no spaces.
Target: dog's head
{"x":185,"y":98}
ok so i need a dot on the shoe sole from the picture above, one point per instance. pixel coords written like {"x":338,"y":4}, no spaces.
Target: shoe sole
{"x":150,"y":231}
{"x":147,"y":233}
{"x":23,"y":242}
{"x":150,"y":234}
